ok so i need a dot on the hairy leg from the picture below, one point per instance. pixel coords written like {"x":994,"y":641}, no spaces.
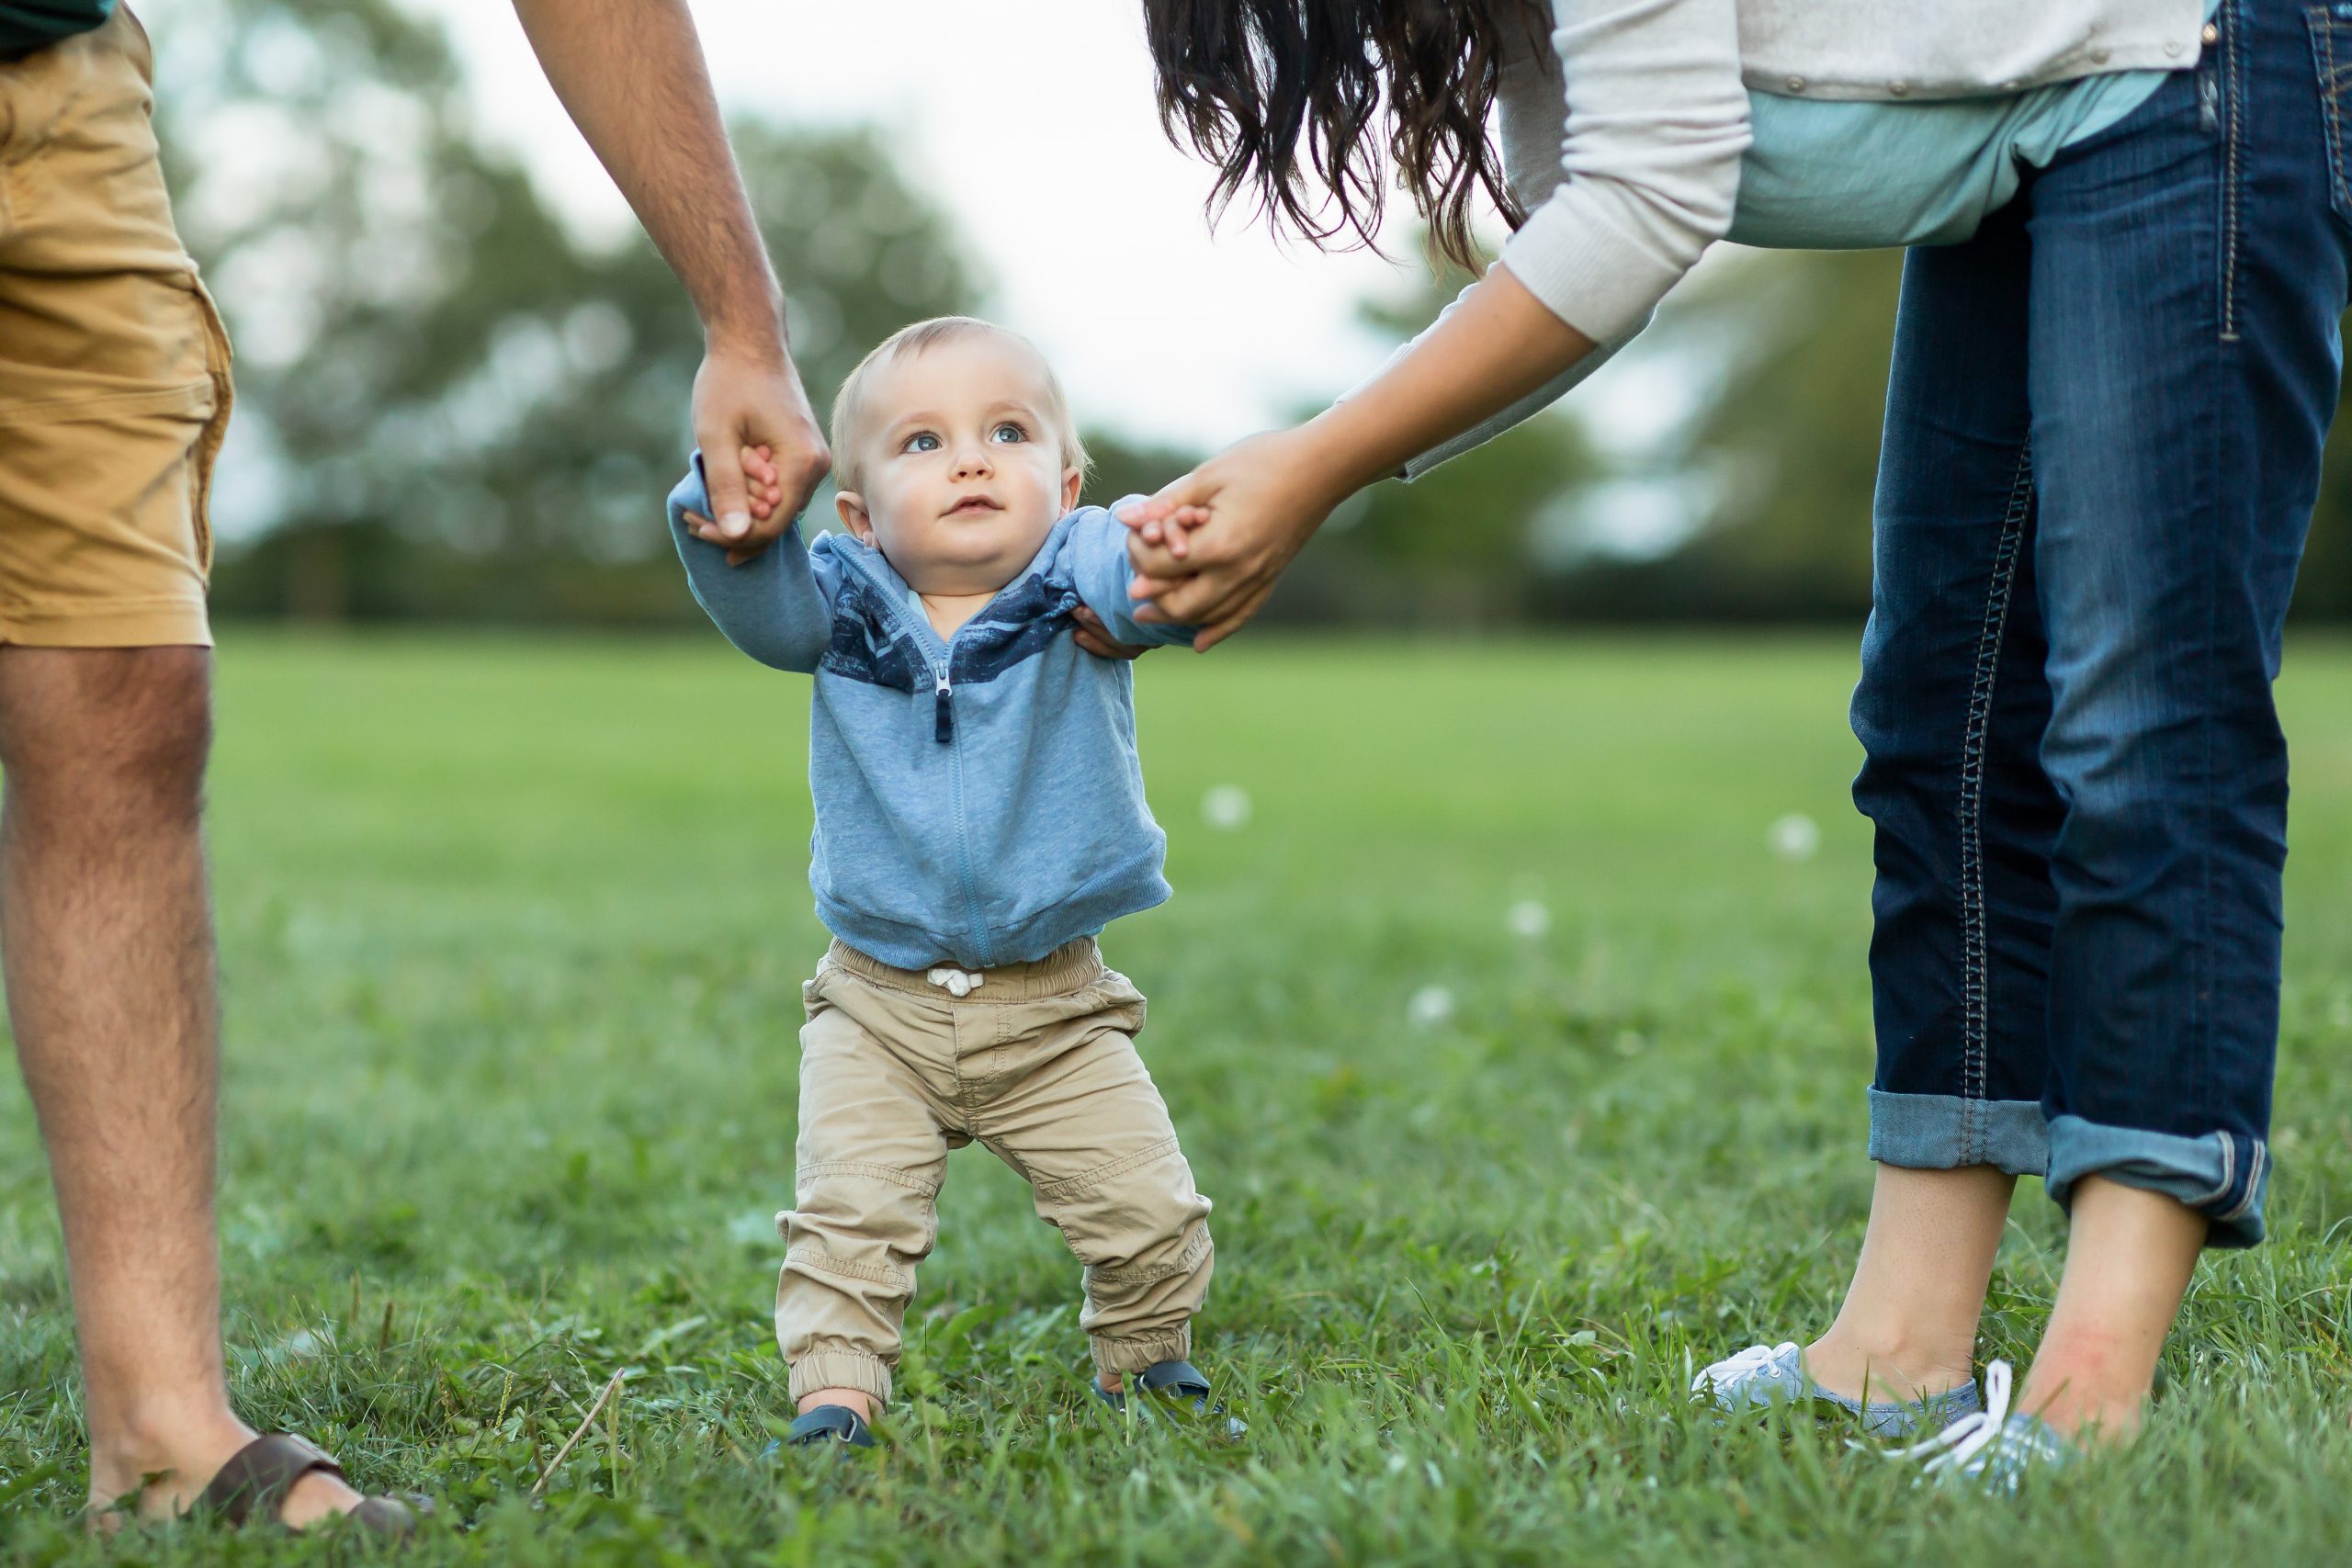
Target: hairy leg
{"x":105,"y":939}
{"x":1908,"y":1325}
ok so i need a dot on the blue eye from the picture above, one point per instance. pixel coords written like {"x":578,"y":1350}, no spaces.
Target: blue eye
{"x":922,"y":441}
{"x":1008,"y":433}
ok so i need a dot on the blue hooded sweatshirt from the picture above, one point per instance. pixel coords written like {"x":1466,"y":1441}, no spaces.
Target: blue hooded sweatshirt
{"x":980,"y":801}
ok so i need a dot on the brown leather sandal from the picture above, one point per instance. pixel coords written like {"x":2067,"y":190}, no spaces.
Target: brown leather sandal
{"x":258,"y":1476}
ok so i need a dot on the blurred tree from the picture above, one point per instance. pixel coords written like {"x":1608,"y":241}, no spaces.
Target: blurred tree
{"x":452,"y":407}
{"x":1457,"y":548}
{"x":1790,"y":443}
{"x":2323,"y":591}
{"x":463,"y":411}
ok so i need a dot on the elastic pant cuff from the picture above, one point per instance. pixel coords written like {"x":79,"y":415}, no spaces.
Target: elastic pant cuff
{"x":1127,"y":1355}
{"x":2224,"y":1175}
{"x":841,"y":1369}
{"x":1945,"y":1132}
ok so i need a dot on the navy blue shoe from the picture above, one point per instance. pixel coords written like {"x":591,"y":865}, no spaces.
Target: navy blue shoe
{"x":830,"y":1424}
{"x":1173,"y":1385}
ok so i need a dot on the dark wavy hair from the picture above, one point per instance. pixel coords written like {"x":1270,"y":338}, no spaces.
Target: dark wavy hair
{"x":1285,"y":97}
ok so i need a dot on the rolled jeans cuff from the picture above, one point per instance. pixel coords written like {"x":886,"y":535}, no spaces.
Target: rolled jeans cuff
{"x":1142,"y":1352}
{"x":2224,"y":1175}
{"x":1945,"y":1132}
{"x":841,"y":1369}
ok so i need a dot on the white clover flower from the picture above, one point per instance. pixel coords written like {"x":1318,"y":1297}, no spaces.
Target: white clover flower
{"x":1794,"y":837}
{"x":1226,"y":808}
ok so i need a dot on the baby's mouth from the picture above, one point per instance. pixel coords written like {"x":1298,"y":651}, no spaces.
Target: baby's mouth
{"x":973,"y":504}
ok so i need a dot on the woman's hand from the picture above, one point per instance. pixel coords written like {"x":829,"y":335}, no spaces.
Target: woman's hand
{"x":1208,"y":548}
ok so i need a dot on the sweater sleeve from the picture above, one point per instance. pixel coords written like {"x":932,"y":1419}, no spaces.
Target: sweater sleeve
{"x":1097,"y":553}
{"x":1527,"y":106}
{"x":1656,"y":120}
{"x":777,"y":607}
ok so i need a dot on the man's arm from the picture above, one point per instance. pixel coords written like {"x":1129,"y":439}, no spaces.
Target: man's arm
{"x":632,"y":73}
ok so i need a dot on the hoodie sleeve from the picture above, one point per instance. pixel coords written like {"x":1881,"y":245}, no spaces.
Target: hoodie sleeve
{"x":777,"y":607}
{"x":1097,"y":553}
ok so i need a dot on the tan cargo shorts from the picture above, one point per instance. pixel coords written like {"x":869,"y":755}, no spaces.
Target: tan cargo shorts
{"x":114,"y":368}
{"x":1038,"y":1065}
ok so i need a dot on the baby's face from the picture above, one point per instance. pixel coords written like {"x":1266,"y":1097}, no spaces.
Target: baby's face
{"x":961,"y":476}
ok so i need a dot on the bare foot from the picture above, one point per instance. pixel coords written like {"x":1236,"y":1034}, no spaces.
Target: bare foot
{"x":161,"y":1477}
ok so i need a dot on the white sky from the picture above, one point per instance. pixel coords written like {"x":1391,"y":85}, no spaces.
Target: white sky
{"x":1033,"y":122}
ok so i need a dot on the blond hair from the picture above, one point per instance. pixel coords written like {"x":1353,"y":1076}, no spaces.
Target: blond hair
{"x":849,"y":403}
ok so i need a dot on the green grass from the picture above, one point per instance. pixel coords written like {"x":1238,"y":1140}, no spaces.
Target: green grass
{"x":513,"y":932}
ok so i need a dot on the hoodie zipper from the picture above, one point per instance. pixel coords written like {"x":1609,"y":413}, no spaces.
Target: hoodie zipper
{"x":943,"y":732}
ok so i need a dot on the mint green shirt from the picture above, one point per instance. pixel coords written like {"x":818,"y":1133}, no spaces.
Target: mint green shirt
{"x":30,"y":24}
{"x":1824,"y":175}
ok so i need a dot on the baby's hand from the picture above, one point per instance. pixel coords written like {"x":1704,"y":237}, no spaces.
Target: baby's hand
{"x":760,"y":479}
{"x":1157,"y":558}
{"x":1160,"y":523}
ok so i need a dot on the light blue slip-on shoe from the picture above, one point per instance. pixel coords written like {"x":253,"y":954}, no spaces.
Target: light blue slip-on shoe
{"x":1774,"y":1374}
{"x":1996,"y":1447}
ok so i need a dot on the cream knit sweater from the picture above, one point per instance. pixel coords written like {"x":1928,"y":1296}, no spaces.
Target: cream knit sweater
{"x":1623,"y":139}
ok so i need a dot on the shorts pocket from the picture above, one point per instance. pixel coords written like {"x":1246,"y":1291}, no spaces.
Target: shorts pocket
{"x":217,"y":357}
{"x":2331,"y":30}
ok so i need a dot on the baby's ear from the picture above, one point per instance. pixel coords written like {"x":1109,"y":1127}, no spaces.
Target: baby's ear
{"x":852,"y":507}
{"x":1073,"y":480}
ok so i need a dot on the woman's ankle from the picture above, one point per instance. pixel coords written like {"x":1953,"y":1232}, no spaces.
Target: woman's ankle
{"x":1880,"y":1366}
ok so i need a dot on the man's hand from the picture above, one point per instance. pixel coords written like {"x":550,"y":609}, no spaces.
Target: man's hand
{"x":632,"y":73}
{"x":762,"y":452}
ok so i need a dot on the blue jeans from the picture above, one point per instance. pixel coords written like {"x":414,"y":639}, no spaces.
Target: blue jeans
{"x":2102,"y":445}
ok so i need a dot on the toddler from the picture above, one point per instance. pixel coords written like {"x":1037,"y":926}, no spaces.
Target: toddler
{"x":980,"y":818}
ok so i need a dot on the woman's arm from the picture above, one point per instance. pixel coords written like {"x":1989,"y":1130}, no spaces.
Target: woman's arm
{"x":1267,"y":496}
{"x":1649,"y":170}
{"x":1655,"y":122}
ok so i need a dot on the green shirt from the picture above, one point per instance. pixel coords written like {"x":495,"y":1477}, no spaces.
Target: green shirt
{"x":1836,"y":175}
{"x":28,"y":24}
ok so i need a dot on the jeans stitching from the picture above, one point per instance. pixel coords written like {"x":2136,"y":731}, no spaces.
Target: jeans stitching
{"x":2316,"y":20}
{"x":2234,"y":85}
{"x":2252,"y":1178}
{"x":1975,"y":987}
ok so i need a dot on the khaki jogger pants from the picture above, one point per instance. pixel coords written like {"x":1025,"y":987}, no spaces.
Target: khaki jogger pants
{"x":1037,"y":1064}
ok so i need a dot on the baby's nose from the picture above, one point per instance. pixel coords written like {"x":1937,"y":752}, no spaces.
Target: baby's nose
{"x":971,"y":461}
